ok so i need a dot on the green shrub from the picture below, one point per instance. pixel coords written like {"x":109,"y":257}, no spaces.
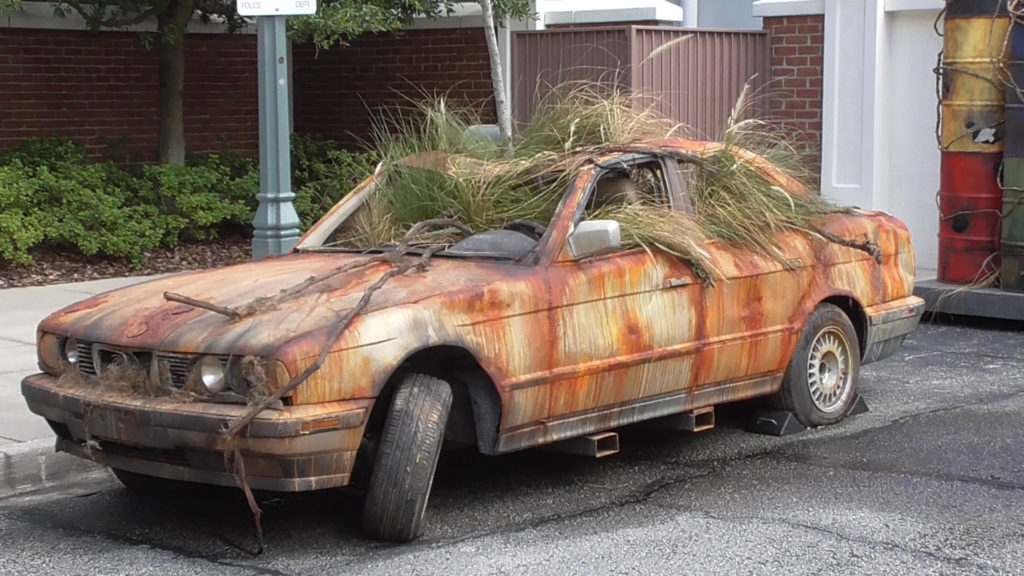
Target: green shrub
{"x":51,"y":193}
{"x":322,"y":174}
{"x":20,"y":228}
{"x":195,"y":202}
{"x":34,"y":153}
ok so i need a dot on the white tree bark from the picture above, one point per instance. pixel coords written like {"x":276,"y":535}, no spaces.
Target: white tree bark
{"x":497,"y":79}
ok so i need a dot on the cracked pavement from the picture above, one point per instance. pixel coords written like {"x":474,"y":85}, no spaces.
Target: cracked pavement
{"x":930,"y":481}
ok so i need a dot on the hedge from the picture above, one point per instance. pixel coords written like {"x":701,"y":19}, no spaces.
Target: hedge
{"x":52,"y":195}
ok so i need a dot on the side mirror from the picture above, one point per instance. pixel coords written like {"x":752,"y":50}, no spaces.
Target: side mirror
{"x":592,"y":237}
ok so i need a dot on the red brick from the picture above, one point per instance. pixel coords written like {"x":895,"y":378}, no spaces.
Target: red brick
{"x":797,"y":69}
{"x":102,"y":87}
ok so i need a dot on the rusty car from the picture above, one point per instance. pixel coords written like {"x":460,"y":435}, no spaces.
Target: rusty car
{"x":506,"y":339}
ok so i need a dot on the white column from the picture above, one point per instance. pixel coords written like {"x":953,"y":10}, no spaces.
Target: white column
{"x":854,"y":169}
{"x":690,"y":13}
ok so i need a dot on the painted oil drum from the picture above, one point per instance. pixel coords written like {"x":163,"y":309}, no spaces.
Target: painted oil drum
{"x":972,"y":88}
{"x":970,"y":202}
{"x":975,"y":8}
{"x":1011,"y":273}
{"x":1014,"y":68}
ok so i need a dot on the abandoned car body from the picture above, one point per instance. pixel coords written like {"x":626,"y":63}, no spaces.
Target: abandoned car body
{"x":505,"y":340}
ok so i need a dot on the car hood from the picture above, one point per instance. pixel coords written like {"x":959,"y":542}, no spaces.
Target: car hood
{"x":140,"y":317}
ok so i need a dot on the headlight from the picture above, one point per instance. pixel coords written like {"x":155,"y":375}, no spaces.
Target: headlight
{"x":211,"y":372}
{"x":51,"y":354}
{"x":71,"y":351}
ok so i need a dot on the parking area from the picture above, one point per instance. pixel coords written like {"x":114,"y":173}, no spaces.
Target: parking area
{"x":931,"y":480}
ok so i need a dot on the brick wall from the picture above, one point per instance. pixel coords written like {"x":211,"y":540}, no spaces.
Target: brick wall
{"x":797,"y":61}
{"x":338,"y":91}
{"x":102,"y":89}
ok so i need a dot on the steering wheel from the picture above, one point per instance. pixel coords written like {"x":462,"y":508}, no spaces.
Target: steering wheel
{"x":528,"y":228}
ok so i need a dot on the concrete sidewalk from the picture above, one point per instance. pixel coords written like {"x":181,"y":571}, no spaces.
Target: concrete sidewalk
{"x":27,"y":456}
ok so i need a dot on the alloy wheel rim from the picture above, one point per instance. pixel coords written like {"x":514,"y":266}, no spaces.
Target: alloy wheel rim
{"x":829,"y":370}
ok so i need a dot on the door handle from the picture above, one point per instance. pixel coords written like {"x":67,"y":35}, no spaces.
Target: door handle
{"x":677,"y":282}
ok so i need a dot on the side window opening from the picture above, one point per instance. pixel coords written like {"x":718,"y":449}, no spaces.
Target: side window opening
{"x":641,"y":183}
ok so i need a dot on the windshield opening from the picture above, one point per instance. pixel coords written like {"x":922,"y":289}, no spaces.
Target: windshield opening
{"x":502,"y":203}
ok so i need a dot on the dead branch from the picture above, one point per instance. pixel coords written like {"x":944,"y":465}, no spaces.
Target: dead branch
{"x":267,"y":303}
{"x":229,"y":312}
{"x":232,"y":433}
{"x":254,"y":507}
{"x":866,"y":246}
{"x":415,"y":231}
{"x":336,"y":333}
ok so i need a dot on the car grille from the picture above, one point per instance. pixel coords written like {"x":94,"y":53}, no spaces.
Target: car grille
{"x":178,"y":366}
{"x":172,"y":369}
{"x":86,"y":363}
{"x":94,"y":357}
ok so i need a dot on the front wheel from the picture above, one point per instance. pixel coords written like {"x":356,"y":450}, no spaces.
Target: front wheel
{"x":819,"y":387}
{"x":403,"y":472}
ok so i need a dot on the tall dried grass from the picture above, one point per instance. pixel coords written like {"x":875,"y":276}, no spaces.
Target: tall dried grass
{"x":733,"y":201}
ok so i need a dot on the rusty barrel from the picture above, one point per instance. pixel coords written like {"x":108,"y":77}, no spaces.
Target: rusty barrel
{"x":1011,"y":274}
{"x":972,"y":139}
{"x":970,"y":203}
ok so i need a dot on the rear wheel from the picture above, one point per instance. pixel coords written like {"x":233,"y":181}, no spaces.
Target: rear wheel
{"x":819,"y":387}
{"x":403,"y":471}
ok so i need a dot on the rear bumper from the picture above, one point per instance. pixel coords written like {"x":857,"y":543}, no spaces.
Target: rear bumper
{"x":888,"y":326}
{"x":297,"y":449}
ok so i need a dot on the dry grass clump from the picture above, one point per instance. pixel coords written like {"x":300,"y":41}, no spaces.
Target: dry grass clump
{"x":485,"y":186}
{"x":655,"y":228}
{"x":736,"y":204}
{"x":577,"y":116}
{"x":254,"y":371}
{"x":480,"y":184}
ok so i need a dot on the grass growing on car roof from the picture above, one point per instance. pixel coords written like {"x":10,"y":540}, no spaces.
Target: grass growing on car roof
{"x":486,"y":186}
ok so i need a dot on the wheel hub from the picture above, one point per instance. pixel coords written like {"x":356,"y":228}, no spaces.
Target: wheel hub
{"x":829,"y":374}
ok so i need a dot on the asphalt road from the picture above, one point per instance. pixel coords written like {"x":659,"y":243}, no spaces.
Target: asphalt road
{"x":930,"y":481}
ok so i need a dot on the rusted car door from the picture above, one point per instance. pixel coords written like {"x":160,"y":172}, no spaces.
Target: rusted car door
{"x":626,"y":327}
{"x":752,"y":315}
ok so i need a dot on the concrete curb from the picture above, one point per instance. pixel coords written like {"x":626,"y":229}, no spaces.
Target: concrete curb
{"x":32,"y":465}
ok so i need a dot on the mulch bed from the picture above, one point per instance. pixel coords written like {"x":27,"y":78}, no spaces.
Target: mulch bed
{"x":57,"y":267}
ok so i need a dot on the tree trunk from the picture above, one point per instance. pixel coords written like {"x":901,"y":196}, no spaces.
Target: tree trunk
{"x":171,"y":27}
{"x":497,"y":80}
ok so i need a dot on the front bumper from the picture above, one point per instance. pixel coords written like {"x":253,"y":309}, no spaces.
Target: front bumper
{"x":300,"y":448}
{"x":888,"y":326}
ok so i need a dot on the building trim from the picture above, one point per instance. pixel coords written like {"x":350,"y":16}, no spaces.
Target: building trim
{"x":774,"y":8}
{"x":907,"y":5}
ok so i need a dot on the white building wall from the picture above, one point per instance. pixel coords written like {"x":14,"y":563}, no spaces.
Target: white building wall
{"x":879,"y":111}
{"x":727,"y":14}
{"x":913,"y":152}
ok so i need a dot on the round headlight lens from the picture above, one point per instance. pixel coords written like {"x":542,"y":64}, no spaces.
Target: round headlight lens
{"x":71,"y":351}
{"x":211,"y":372}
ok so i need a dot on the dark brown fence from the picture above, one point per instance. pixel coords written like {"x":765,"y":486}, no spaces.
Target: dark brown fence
{"x":692,"y":76}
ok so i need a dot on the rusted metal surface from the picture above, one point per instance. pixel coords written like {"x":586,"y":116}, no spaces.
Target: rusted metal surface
{"x":972,"y":93}
{"x":691,"y":76}
{"x":970,"y":210}
{"x":972,"y":138}
{"x":1011,"y":276}
{"x":568,"y":347}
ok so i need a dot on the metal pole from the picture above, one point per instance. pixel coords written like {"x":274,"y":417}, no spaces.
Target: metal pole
{"x":276,"y":223}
